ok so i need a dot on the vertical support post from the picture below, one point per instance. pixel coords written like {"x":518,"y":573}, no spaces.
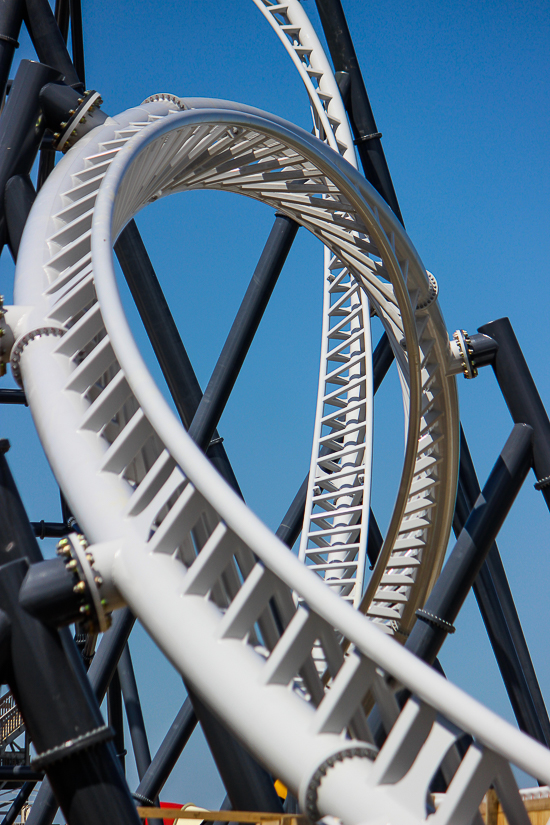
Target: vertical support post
{"x":45,"y":673}
{"x":11,"y":17}
{"x":48,"y":40}
{"x":474,"y":542}
{"x":116,"y":721}
{"x":500,"y":617}
{"x":19,"y":197}
{"x":21,"y":127}
{"x":134,"y":713}
{"x":521,"y":396}
{"x":77,"y":40}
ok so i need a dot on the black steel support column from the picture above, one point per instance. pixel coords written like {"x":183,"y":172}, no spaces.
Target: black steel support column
{"x":521,"y":396}
{"x":77,"y":39}
{"x":165,"y":338}
{"x":116,"y":718}
{"x":48,"y":40}
{"x":134,"y":714}
{"x":44,"y":670}
{"x":474,"y":542}
{"x":19,"y":196}
{"x":356,"y":100}
{"x":21,"y":127}
{"x":169,"y":752}
{"x":18,"y":802}
{"x":499,"y":614}
{"x":242,"y":332}
{"x":11,"y":17}
{"x":100,"y":673}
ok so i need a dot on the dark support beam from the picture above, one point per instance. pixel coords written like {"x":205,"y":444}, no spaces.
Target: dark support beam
{"x":21,"y":126}
{"x":474,"y":542}
{"x":165,"y":338}
{"x":19,"y":196}
{"x":291,"y":525}
{"x":382,"y":359}
{"x":62,"y":16}
{"x":521,"y":396}
{"x":242,"y":332}
{"x":134,"y":714}
{"x":18,"y":802}
{"x":356,"y":100}
{"x":100,"y":673}
{"x":499,"y":614}
{"x":11,"y":17}
{"x":44,"y":671}
{"x":77,"y":40}
{"x":47,"y":160}
{"x":116,"y":718}
{"x":13,"y":397}
{"x":48,"y":40}
{"x":169,"y":752}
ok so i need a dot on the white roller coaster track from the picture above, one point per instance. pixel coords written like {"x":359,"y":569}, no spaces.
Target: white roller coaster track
{"x":149,"y":500}
{"x":338,"y":495}
{"x":336,"y":516}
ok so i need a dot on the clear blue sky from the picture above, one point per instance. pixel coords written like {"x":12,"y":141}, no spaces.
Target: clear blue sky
{"x":459,"y":91}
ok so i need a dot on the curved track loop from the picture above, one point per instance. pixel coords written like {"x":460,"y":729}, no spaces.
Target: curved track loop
{"x":173,"y":541}
{"x":340,"y":479}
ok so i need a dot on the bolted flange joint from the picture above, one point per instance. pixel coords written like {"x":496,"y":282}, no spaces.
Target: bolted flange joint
{"x":462,"y":350}
{"x":67,"y":589}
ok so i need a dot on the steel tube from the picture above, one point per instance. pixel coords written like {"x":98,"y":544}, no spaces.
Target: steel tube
{"x":18,"y":802}
{"x":116,"y":719}
{"x":77,"y":39}
{"x":13,"y":397}
{"x":48,"y":681}
{"x":521,"y":396}
{"x":474,"y":542}
{"x":134,"y":714}
{"x":356,"y":100}
{"x":169,"y":752}
{"x":242,"y":332}
{"x":11,"y":17}
{"x":21,"y":127}
{"x":19,"y":196}
{"x":165,"y":338}
{"x":499,"y":614}
{"x":48,"y":40}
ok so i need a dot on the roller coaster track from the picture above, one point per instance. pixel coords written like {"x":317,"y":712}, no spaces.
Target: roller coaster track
{"x":173,"y":541}
{"x":335,"y":529}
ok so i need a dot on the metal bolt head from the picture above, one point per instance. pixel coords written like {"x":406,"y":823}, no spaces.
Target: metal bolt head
{"x":72,"y":565}
{"x":79,"y":588}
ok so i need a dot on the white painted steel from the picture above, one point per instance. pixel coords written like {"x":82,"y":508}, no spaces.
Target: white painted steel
{"x":170,"y":537}
{"x":338,"y":495}
{"x":335,"y":526}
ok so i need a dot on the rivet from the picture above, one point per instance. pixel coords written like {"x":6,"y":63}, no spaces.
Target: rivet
{"x":79,"y":588}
